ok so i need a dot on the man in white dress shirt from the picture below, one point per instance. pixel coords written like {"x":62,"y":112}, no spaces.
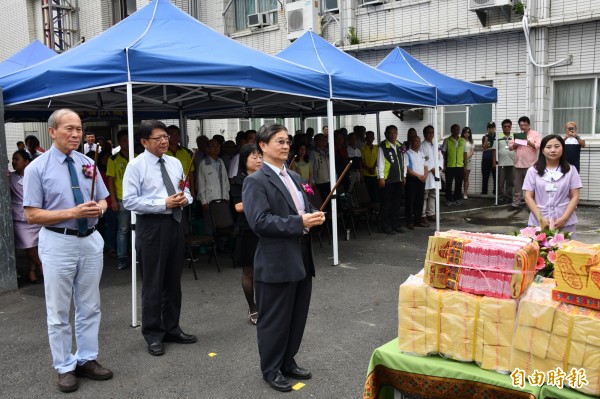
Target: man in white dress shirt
{"x":154,"y":189}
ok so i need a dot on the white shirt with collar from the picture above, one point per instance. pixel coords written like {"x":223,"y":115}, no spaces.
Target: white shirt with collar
{"x":212,"y":181}
{"x":144,"y":190}
{"x":89,"y":147}
{"x":278,"y":172}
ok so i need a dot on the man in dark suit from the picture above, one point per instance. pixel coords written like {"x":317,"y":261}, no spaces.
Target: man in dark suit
{"x":279,"y":212}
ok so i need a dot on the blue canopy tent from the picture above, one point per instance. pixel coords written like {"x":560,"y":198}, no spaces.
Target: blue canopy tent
{"x":34,"y":53}
{"x":174,"y":64}
{"x":353,"y":80}
{"x":159,"y":58}
{"x":355,"y":87}
{"x":450,"y":91}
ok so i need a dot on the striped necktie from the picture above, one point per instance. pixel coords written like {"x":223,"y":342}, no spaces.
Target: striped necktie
{"x":170,"y":188}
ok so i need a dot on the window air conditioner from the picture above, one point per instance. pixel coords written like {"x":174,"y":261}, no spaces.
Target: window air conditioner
{"x":330,"y":6}
{"x":372,"y":2}
{"x":482,"y":4}
{"x":302,"y":16}
{"x":259,"y":20}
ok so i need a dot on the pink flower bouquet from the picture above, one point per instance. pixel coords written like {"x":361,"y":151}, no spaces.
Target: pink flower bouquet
{"x":550,"y":241}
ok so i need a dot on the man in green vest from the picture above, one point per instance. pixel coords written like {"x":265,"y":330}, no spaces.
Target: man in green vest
{"x":455,"y":159}
{"x":391,"y":170}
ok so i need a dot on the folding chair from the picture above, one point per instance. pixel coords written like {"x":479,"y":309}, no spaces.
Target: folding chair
{"x":195,"y":242}
{"x":223,"y":224}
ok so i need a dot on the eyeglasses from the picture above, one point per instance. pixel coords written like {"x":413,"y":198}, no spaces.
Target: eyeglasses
{"x":160,"y":138}
{"x":283,"y":142}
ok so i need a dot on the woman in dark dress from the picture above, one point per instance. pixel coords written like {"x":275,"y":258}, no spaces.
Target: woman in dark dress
{"x":250,"y":160}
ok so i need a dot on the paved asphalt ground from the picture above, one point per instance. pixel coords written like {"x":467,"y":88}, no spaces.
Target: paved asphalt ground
{"x":353,"y":311}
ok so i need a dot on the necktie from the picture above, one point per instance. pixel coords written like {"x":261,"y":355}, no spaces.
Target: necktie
{"x":82,"y":223}
{"x":293,"y":191}
{"x":170,"y":188}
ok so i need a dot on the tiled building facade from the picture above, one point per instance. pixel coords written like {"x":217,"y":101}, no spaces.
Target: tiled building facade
{"x":444,"y":34}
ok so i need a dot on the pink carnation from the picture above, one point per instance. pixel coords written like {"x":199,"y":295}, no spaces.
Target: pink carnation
{"x":541,"y":237}
{"x":551,"y":256}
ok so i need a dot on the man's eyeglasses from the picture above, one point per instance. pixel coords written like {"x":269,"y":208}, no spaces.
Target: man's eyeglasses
{"x":160,"y":138}
{"x":283,"y":142}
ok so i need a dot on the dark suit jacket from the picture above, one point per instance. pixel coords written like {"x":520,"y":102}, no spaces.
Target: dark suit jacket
{"x":273,"y":217}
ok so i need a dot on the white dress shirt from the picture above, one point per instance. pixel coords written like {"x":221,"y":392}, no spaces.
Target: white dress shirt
{"x":144,"y":191}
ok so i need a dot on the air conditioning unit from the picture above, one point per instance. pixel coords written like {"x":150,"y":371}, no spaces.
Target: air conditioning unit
{"x":330,"y":6}
{"x":259,"y":20}
{"x":371,"y":2}
{"x":302,"y":16}
{"x":482,"y":4}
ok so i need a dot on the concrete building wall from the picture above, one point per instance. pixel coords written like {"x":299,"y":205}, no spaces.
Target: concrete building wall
{"x":442,"y":34}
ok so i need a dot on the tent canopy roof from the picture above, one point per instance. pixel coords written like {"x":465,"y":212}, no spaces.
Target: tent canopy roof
{"x":450,"y":91}
{"x":351,"y":79}
{"x":176,"y":64}
{"x":34,"y":53}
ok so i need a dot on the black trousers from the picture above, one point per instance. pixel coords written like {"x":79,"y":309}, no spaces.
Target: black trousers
{"x":282,"y":314}
{"x":391,"y":196}
{"x":486,"y":171}
{"x":372,"y":188}
{"x":160,"y":249}
{"x":324,"y":189}
{"x":413,"y":203}
{"x":455,"y":175}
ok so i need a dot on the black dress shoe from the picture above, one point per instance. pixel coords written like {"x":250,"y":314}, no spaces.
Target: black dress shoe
{"x":182,"y":338}
{"x":298,"y":373}
{"x":156,"y":349}
{"x":399,"y":229}
{"x":280,"y":383}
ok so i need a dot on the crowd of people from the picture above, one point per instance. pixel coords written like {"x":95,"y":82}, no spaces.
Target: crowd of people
{"x":65,"y":226}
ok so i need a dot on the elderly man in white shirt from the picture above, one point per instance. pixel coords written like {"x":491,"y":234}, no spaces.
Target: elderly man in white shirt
{"x":213,"y":182}
{"x":429,"y":149}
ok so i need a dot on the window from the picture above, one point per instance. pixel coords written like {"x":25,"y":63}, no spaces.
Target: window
{"x":194,"y":8}
{"x":475,"y":116}
{"x":122,"y":9}
{"x":576,"y":100}
{"x":256,"y":123}
{"x":243,"y":8}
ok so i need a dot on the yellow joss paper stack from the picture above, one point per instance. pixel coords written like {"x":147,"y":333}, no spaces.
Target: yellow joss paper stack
{"x":495,"y":328}
{"x":417,"y":318}
{"x":458,"y":317}
{"x":495,"y":265}
{"x":584,"y":350}
{"x":455,"y":324}
{"x":577,"y":272}
{"x":552,"y":335}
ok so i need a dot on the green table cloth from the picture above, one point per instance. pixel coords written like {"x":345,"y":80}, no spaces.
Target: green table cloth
{"x":552,"y":392}
{"x":437,"y":378}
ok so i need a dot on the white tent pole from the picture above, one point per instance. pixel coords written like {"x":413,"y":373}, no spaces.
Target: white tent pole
{"x":378,"y":128}
{"x":183,"y":140}
{"x":134,"y":318}
{"x":438,"y":181}
{"x":497,"y":153}
{"x":332,"y":180}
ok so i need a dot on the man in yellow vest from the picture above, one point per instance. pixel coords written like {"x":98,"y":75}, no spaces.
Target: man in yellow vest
{"x":455,"y":159}
{"x":391,"y":170}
